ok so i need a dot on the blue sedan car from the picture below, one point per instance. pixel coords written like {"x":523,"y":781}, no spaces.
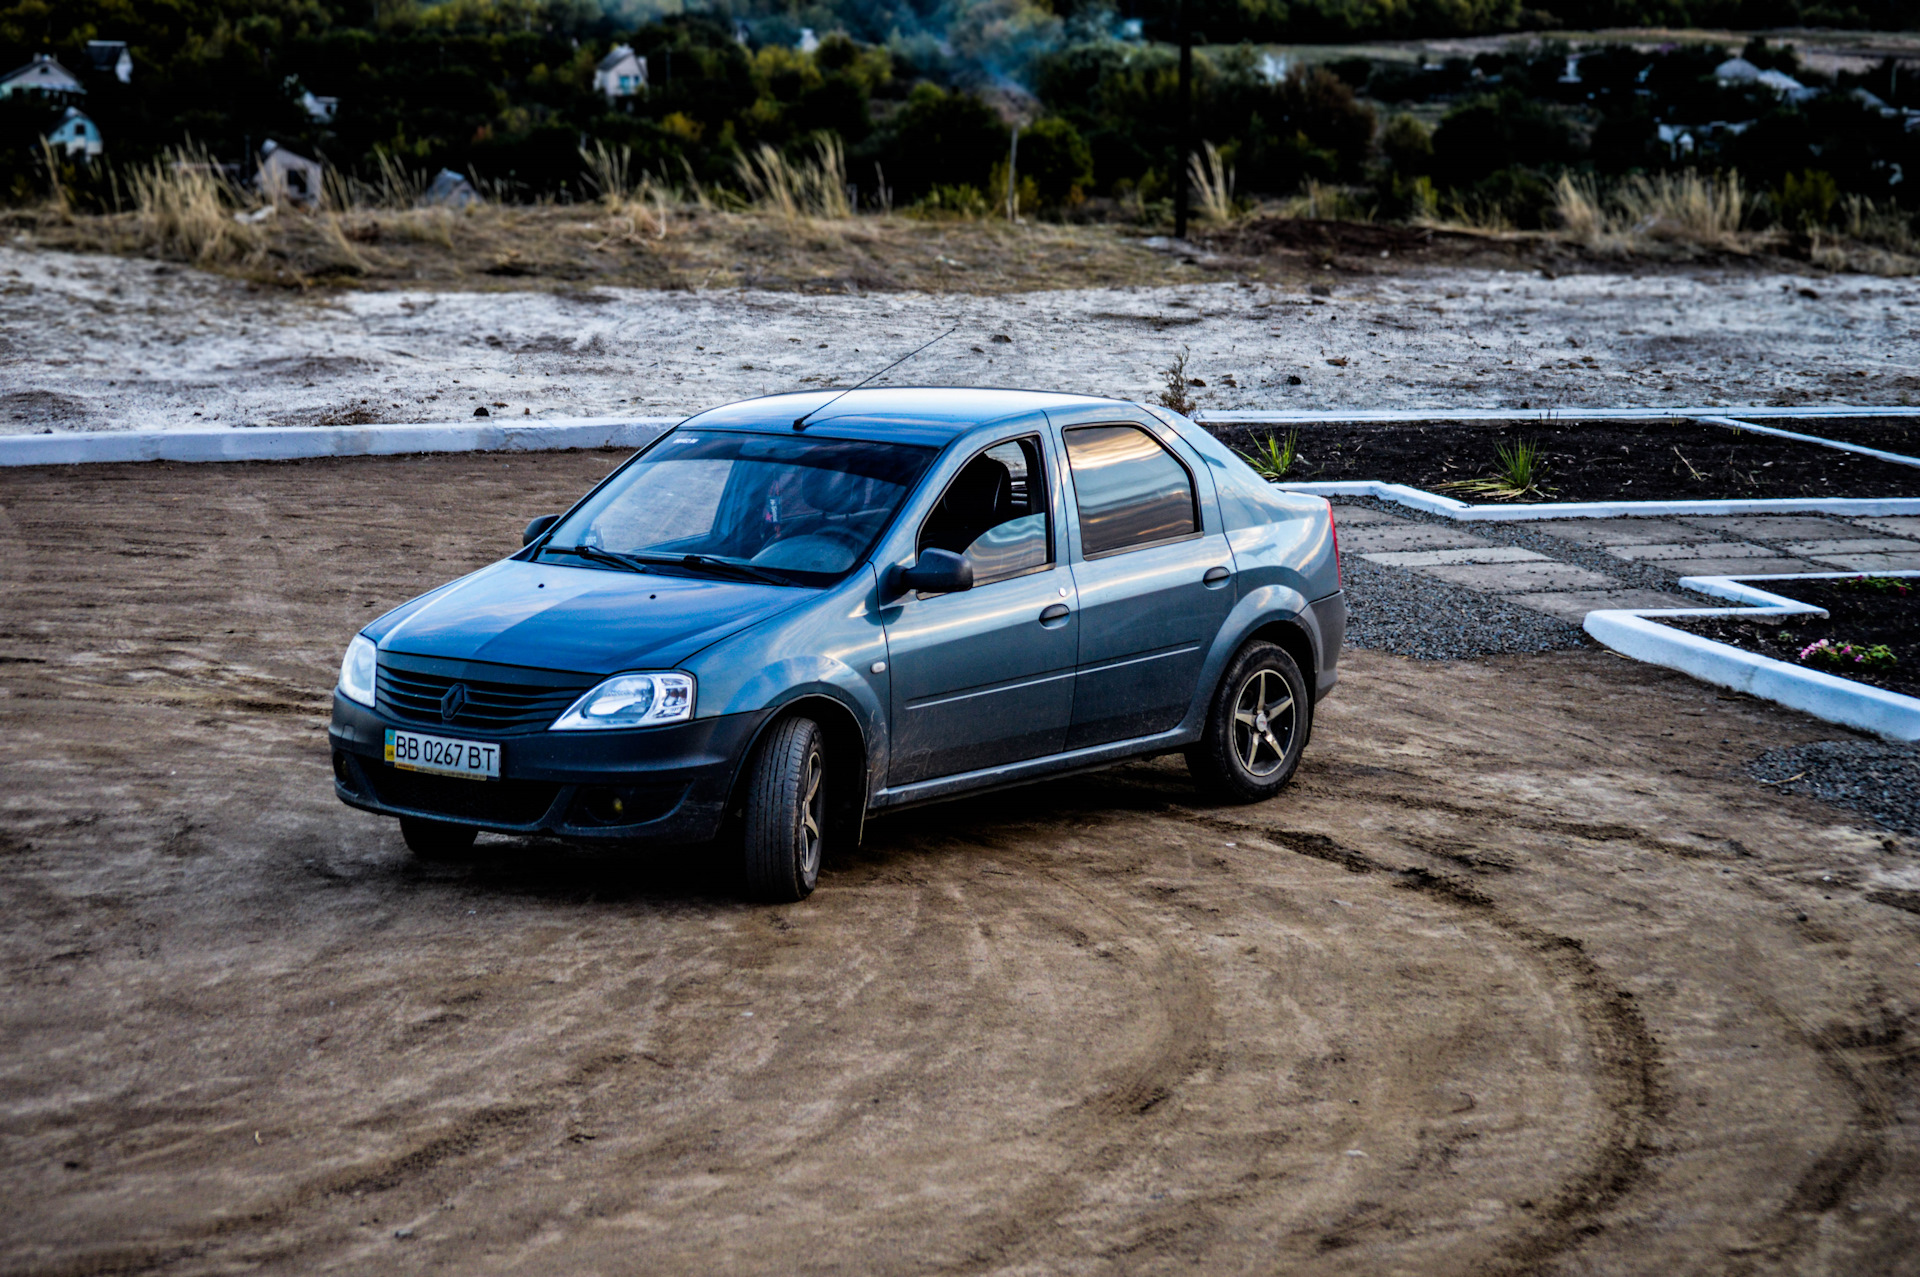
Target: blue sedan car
{"x":787,"y":614}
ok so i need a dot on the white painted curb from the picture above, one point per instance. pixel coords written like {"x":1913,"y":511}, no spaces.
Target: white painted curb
{"x":1434,"y":503}
{"x":287,"y":443}
{"x":1825,"y":696}
{"x":1263,"y":416}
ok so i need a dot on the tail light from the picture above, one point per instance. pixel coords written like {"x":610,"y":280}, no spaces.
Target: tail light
{"x":1334,"y":528}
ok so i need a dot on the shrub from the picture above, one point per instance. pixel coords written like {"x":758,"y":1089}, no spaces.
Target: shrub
{"x":1806,"y":199}
{"x":1407,"y":145}
{"x":1057,"y":158}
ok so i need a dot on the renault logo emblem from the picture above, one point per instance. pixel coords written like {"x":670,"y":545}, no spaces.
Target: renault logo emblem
{"x":453,"y":702}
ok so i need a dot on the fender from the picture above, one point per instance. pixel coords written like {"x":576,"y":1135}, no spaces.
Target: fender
{"x":769,"y":690}
{"x":1261,"y":606}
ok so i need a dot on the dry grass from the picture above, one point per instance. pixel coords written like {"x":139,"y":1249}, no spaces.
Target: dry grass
{"x":184,"y":209}
{"x":1710,"y":210}
{"x":1212,"y":182}
{"x":796,"y":189}
{"x":1319,"y":200}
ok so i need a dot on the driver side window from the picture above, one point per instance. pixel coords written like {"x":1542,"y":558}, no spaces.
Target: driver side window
{"x":995,"y":513}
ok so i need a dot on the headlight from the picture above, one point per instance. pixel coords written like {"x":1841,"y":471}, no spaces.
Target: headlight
{"x":356,"y":671}
{"x":631,"y":700}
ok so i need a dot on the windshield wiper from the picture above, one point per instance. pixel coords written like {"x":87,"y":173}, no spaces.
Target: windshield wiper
{"x":597,"y":555}
{"x":648,"y":562}
{"x":744,"y":571}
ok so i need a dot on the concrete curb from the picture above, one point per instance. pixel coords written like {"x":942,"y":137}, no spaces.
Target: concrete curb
{"x":1825,"y":696}
{"x":1434,"y":503}
{"x":1263,"y":416}
{"x":287,"y":443}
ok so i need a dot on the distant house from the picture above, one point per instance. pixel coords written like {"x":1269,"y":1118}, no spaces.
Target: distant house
{"x":1741,"y":71}
{"x":808,"y":41}
{"x":621,"y":74}
{"x":76,"y":135}
{"x":286,"y":176}
{"x":111,"y":55}
{"x":320,"y":110}
{"x":42,"y":75}
{"x":451,"y":190}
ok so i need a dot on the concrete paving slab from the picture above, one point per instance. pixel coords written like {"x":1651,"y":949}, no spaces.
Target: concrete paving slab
{"x":1900,"y":525}
{"x":1737,"y":567}
{"x":1621,"y":531}
{"x":1699,"y":549}
{"x":1518,"y":578}
{"x":1873,"y":562}
{"x":1435,"y":558}
{"x":1573,"y":605}
{"x":1860,"y":545}
{"x":1356,"y":515}
{"x":1406,"y":536}
{"x":1770,"y":527}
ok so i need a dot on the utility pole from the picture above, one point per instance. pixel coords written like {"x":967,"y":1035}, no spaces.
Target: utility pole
{"x":1186,"y":126}
{"x":1013,"y":175}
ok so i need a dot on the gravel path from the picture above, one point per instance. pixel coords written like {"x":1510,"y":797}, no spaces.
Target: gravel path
{"x":1410,"y":614}
{"x":1877,"y":778}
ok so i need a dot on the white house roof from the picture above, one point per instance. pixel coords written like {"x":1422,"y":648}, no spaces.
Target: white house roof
{"x":614,"y":59}
{"x":44,"y":74}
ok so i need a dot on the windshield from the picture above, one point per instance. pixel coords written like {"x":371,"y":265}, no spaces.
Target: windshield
{"x":799,"y":510}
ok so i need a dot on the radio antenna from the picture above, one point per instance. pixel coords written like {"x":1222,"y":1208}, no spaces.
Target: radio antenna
{"x":800,"y":422}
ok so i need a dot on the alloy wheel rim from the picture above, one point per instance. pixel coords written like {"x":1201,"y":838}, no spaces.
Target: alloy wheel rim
{"x":811,"y":805}
{"x":1263,"y":718}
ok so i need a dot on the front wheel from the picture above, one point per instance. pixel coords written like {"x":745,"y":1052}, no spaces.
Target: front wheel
{"x":786,"y":810}
{"x":1256,"y":726}
{"x":436,"y":839}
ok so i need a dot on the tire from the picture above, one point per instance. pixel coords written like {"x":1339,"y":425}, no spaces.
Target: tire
{"x":1256,"y":728}
{"x":785,"y":812}
{"x":437,"y":839}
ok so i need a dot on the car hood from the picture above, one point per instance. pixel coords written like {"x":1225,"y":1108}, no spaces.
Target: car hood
{"x":586,"y":620}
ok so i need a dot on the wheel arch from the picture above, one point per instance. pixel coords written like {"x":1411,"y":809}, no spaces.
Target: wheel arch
{"x":848,"y":762}
{"x":1291,"y":637}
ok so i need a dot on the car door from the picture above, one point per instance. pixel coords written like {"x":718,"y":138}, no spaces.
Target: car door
{"x":1154,"y":575}
{"x":985,"y":676}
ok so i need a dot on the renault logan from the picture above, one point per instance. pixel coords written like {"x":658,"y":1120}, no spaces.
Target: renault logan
{"x":790,"y":613}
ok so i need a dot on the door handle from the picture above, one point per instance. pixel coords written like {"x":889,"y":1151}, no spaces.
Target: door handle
{"x":1215,"y":577}
{"x":1054,"y":615}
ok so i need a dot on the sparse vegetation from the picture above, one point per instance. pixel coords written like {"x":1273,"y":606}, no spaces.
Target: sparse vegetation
{"x":1275,"y":459}
{"x":1175,"y":380}
{"x":1519,"y":471}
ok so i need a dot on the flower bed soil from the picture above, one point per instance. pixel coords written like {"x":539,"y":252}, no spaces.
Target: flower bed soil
{"x":1588,"y":460}
{"x":1889,"y":434}
{"x":1854,"y":615}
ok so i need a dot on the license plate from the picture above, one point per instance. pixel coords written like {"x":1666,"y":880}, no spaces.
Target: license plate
{"x":474,"y":759}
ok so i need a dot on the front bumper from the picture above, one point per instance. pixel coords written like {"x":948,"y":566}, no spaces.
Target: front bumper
{"x":657,"y":784}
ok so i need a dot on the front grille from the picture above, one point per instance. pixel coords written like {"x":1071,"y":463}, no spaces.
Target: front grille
{"x":500,"y":802}
{"x":500,"y":698}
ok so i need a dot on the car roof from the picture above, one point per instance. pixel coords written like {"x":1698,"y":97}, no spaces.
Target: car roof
{"x":926,"y":415}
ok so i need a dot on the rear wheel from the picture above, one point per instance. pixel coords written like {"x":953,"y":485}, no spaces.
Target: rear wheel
{"x":437,"y":839}
{"x":1256,"y":726}
{"x":786,"y":809}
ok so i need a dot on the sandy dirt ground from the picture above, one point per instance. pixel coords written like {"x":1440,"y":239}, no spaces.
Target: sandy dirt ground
{"x":105,"y":343}
{"x":1521,"y":975}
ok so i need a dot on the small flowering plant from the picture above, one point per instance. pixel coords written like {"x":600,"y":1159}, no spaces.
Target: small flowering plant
{"x":1899,"y":587}
{"x":1848,"y":655}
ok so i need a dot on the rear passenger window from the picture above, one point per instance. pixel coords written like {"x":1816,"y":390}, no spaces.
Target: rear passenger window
{"x":1131,"y":490}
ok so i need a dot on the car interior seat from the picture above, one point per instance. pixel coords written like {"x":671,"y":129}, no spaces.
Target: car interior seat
{"x":980,"y":498}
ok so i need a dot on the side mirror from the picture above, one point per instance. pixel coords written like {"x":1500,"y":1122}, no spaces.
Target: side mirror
{"x":938,"y":572}
{"x":537,"y":528}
